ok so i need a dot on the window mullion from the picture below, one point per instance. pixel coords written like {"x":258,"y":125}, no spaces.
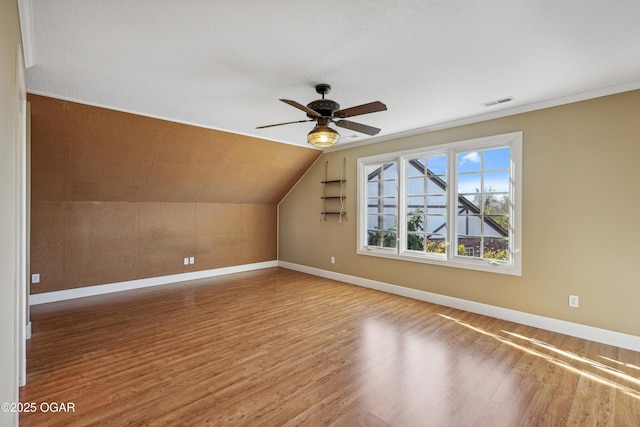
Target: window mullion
{"x":483,"y":201}
{"x":381,"y":206}
{"x":402,"y":203}
{"x":452,"y":208}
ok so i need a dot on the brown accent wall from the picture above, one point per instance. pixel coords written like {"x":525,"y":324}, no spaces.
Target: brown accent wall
{"x":117,"y":196}
{"x":77,"y":244}
{"x":580,"y":215}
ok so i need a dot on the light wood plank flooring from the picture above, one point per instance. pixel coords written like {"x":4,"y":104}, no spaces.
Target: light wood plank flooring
{"x":282,"y":348}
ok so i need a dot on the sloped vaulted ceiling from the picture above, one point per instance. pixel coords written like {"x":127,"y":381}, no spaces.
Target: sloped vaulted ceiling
{"x":85,"y":153}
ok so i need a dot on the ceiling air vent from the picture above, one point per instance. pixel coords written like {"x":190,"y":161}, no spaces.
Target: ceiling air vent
{"x":498,"y":101}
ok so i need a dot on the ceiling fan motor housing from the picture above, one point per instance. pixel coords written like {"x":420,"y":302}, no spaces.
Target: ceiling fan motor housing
{"x":324,"y":107}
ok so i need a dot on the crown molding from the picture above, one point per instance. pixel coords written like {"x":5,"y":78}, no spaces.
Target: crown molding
{"x":569,"y":99}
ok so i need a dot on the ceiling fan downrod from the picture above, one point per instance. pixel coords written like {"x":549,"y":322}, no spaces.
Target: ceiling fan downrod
{"x":323,"y":89}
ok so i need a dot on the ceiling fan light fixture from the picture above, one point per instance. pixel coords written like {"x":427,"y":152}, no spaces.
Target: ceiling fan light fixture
{"x":326,"y":111}
{"x":322,"y":136}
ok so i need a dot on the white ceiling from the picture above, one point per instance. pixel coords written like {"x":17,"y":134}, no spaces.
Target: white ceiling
{"x":224,"y":64}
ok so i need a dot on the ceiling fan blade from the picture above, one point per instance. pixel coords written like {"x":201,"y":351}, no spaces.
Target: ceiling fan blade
{"x":358,"y":127}
{"x":371,"y":107}
{"x":287,"y":123}
{"x":299,"y":106}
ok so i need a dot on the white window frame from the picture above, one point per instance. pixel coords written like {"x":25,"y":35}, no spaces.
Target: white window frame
{"x":451,"y":259}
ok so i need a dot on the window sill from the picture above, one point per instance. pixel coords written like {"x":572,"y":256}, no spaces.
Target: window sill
{"x":489,"y":266}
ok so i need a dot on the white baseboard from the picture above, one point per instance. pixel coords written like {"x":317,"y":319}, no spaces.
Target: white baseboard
{"x":591,"y":333}
{"x":87,"y":291}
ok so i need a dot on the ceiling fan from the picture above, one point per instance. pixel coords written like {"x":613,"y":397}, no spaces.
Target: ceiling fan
{"x":325,"y":111}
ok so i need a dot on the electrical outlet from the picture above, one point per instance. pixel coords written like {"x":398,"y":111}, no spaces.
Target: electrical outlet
{"x":573,"y":301}
{"x":192,"y":260}
{"x":186,"y":261}
{"x":35,"y":278}
{"x":333,"y":260}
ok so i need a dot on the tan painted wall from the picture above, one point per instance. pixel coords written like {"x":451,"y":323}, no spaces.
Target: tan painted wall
{"x":117,"y":196}
{"x":9,"y":40}
{"x":580,"y":217}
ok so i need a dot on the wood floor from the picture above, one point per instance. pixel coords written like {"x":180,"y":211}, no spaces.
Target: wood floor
{"x":281,"y":348}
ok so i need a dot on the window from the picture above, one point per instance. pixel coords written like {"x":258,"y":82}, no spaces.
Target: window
{"x":456,"y":204}
{"x":382,"y":205}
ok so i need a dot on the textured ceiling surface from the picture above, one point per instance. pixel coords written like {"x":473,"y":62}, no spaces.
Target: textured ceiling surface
{"x":224,"y":64}
{"x":86,"y":153}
